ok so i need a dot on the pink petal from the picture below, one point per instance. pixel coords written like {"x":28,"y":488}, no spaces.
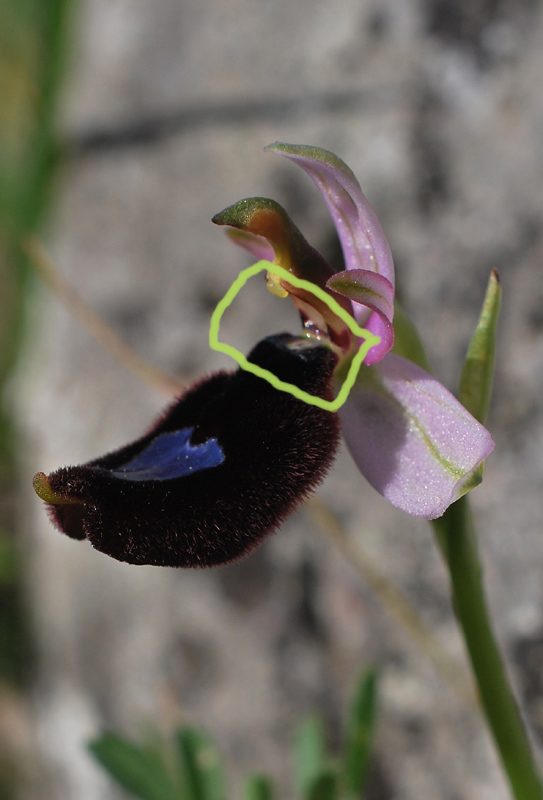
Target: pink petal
{"x":368,"y":290}
{"x":362,"y":239}
{"x":257,"y":246}
{"x":411,"y":439}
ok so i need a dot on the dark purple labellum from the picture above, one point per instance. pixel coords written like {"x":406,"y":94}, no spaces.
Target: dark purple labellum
{"x":219,"y":471}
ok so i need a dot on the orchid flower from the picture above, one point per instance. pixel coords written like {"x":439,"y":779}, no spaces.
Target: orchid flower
{"x":232,"y":457}
{"x":409,"y":436}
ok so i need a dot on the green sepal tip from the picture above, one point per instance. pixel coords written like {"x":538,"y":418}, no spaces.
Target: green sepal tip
{"x":407,"y":342}
{"x":477,"y":375}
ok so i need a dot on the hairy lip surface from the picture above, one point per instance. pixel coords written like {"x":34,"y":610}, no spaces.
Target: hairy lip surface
{"x":263,"y":453}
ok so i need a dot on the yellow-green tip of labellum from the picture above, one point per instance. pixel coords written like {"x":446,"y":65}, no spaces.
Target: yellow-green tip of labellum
{"x":43,"y":489}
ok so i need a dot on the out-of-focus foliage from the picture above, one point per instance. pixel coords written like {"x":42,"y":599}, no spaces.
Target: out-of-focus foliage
{"x":191,"y":768}
{"x":33,"y":36}
{"x":33,"y":43}
{"x":32,"y":55}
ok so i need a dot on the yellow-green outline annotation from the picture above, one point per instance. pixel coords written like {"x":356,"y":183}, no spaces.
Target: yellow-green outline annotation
{"x":370,"y":339}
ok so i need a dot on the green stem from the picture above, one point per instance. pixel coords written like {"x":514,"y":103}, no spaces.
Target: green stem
{"x":456,"y":537}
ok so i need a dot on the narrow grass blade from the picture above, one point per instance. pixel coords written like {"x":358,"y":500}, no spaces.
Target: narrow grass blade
{"x":359,"y":735}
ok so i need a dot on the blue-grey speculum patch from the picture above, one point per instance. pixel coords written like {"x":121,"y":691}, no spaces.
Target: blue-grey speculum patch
{"x":171,"y":455}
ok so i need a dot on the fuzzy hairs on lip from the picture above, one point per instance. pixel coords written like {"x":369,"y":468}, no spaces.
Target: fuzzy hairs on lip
{"x":215,"y":474}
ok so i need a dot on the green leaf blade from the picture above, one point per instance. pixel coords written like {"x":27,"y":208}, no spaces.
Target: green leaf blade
{"x":139,"y":772}
{"x":199,"y":766}
{"x":310,"y":758}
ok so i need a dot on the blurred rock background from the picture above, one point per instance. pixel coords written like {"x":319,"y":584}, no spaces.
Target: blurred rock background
{"x":437,"y":107}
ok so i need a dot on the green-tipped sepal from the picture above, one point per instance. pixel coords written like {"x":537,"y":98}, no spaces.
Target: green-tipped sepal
{"x":477,"y":376}
{"x":407,"y":342}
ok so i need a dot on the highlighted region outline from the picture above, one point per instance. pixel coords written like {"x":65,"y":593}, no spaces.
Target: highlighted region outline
{"x":370,"y":339}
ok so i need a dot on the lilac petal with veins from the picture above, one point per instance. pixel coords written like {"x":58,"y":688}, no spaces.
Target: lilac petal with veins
{"x":368,"y":290}
{"x":364,"y":244}
{"x":411,"y":439}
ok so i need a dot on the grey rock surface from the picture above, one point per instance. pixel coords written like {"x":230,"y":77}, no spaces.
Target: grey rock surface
{"x":437,"y":107}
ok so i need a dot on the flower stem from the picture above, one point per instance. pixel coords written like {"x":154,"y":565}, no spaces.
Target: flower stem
{"x":456,"y":537}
